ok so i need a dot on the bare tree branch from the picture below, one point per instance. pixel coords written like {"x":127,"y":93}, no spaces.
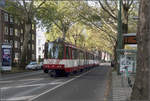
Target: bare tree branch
{"x":31,"y":6}
{"x":109,"y":26}
{"x":107,"y":10}
{"x":106,"y":2}
{"x":25,"y":6}
{"x":130,"y":3}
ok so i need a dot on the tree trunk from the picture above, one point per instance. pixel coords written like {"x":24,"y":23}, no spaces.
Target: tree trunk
{"x":25,"y":43}
{"x":140,"y":88}
{"x":125,"y":19}
{"x":64,"y":35}
{"x":115,"y":57}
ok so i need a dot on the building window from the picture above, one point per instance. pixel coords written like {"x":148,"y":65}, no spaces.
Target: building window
{"x":33,"y":57}
{"x":11,"y":19}
{"x":16,"y":55}
{"x":21,"y":31}
{"x":32,"y":36}
{"x":6,"y":30}
{"x":11,"y":31}
{"x":11,"y":42}
{"x":16,"y":32}
{"x":21,"y":48}
{"x":39,"y":49}
{"x":6,"y":17}
{"x":6,"y":41}
{"x":32,"y":46}
{"x":21,"y":39}
{"x":39,"y":41}
{"x":16,"y":21}
{"x":28,"y":46}
{"x":22,"y":22}
{"x":16,"y":44}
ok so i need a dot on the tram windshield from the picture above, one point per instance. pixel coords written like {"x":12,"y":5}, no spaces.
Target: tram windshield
{"x":55,"y":51}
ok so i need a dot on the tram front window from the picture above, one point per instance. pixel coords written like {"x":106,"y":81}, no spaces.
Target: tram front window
{"x":55,"y":51}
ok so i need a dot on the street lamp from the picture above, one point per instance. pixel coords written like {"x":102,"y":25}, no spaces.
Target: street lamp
{"x":119,"y":37}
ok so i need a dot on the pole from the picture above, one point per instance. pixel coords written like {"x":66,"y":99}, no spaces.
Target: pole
{"x":119,"y":37}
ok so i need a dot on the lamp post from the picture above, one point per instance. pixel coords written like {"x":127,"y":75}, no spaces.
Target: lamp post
{"x":119,"y":36}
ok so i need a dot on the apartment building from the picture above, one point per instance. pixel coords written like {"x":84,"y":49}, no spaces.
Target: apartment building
{"x":40,"y":43}
{"x":12,"y":32}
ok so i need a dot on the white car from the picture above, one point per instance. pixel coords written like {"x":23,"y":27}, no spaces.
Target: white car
{"x":33,"y":66}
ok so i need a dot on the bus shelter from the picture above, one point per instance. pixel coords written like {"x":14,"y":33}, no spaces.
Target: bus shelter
{"x":128,"y":60}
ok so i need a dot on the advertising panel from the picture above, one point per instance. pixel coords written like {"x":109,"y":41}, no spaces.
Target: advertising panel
{"x":6,"y":57}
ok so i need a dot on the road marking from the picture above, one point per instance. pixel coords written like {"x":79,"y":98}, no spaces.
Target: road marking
{"x":17,"y":98}
{"x":42,"y":84}
{"x":6,"y":81}
{"x":21,"y":75}
{"x":58,"y":86}
{"x":31,"y":79}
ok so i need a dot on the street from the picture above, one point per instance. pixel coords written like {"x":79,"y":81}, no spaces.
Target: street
{"x":37,"y":86}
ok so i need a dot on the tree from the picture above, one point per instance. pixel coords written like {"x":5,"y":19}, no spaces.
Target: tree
{"x":141,"y":85}
{"x":24,"y":11}
{"x":58,"y":13}
{"x":126,"y":5}
{"x":100,"y":20}
{"x":110,"y":19}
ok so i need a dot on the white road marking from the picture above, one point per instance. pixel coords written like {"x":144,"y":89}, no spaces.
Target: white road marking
{"x":42,"y":84}
{"x":17,"y":98}
{"x":33,"y":98}
{"x":21,"y":75}
{"x":6,"y":81}
{"x":31,"y":79}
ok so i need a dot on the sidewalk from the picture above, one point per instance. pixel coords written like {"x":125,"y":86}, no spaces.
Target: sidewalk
{"x":120,"y":88}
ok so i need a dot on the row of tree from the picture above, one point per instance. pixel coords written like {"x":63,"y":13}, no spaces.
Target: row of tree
{"x":89,"y":26}
{"x":72,"y":21}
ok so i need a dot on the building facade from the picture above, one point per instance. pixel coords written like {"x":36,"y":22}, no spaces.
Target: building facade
{"x":12,"y":32}
{"x":40,"y":43}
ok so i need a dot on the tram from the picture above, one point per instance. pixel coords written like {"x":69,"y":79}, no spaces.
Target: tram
{"x":62,"y":58}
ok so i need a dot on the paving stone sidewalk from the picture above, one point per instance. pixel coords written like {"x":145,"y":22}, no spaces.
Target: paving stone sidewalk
{"x":120,"y":88}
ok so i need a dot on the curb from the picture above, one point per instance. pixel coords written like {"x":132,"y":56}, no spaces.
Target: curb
{"x":108,"y":91}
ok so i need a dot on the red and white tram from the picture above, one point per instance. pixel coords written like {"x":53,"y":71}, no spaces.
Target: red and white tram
{"x":63,"y":58}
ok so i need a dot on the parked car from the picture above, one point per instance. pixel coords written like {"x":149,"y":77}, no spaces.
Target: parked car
{"x":33,"y":66}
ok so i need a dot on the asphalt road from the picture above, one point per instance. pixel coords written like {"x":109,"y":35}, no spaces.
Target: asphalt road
{"x":37,"y":86}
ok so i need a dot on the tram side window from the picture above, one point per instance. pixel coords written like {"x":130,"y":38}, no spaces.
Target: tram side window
{"x":74,"y":54}
{"x":90,"y":57}
{"x":81,"y":55}
{"x":67,"y":53}
{"x":84,"y":55}
{"x":61,"y":52}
